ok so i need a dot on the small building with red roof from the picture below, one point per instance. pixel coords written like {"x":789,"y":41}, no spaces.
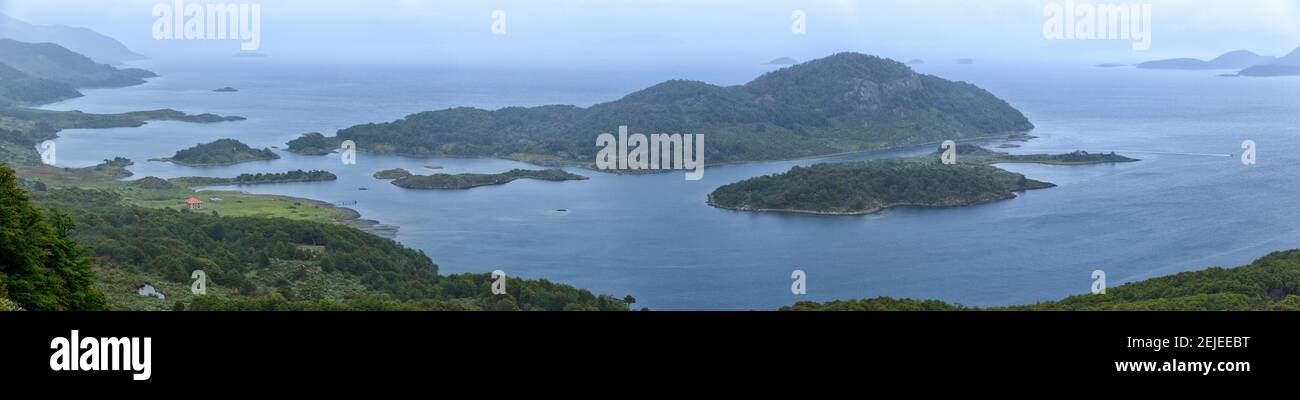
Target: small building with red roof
{"x":194,"y":203}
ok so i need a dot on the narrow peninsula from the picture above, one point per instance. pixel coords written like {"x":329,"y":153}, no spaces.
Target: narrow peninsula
{"x":467,"y":181}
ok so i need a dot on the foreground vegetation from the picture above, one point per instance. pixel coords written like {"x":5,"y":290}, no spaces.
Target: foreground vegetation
{"x":1271,"y":283}
{"x":41,"y":268}
{"x":252,"y":263}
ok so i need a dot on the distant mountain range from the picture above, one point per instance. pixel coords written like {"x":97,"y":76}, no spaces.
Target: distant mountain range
{"x":1288,"y":65}
{"x":1248,"y":62}
{"x":102,"y":49}
{"x":1232,"y":60}
{"x":843,"y":103}
{"x":40,"y":73}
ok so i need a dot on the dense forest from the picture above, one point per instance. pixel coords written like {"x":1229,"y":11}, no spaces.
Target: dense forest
{"x":1271,"y":283}
{"x":41,"y":268}
{"x":466,"y":181}
{"x":220,"y":152}
{"x":845,"y":102}
{"x":871,"y":186}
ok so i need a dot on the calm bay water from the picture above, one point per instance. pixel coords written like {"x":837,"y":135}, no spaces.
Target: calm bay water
{"x":654,"y":237}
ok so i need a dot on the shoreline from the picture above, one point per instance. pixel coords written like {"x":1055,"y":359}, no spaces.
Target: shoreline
{"x":351,"y":217}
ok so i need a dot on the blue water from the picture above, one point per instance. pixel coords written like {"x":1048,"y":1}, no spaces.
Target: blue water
{"x":653,"y":236}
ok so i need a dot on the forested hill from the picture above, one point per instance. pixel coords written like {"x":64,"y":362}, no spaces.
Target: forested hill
{"x":1268,"y":284}
{"x":845,"y":102}
{"x":53,"y":62}
{"x":17,"y":87}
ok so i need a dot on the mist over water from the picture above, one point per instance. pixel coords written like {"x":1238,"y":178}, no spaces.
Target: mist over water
{"x":654,"y":237}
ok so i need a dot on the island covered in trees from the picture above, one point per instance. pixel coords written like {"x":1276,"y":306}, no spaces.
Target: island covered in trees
{"x":219,"y":152}
{"x":394,"y":173}
{"x":846,"y":102}
{"x":868,"y":187}
{"x":467,"y":181}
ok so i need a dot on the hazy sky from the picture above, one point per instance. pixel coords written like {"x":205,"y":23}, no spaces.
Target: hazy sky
{"x":658,"y":33}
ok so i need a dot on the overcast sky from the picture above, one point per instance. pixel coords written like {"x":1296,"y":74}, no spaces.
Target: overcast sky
{"x":656,"y":33}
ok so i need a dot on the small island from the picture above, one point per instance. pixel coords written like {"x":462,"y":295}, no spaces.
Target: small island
{"x":220,"y":152}
{"x":965,"y":61}
{"x":261,"y":178}
{"x":1111,"y":65}
{"x":783,"y":61}
{"x":869,"y":187}
{"x":467,"y":181}
{"x":395,"y":173}
{"x":226,"y":89}
{"x":313,"y":144}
